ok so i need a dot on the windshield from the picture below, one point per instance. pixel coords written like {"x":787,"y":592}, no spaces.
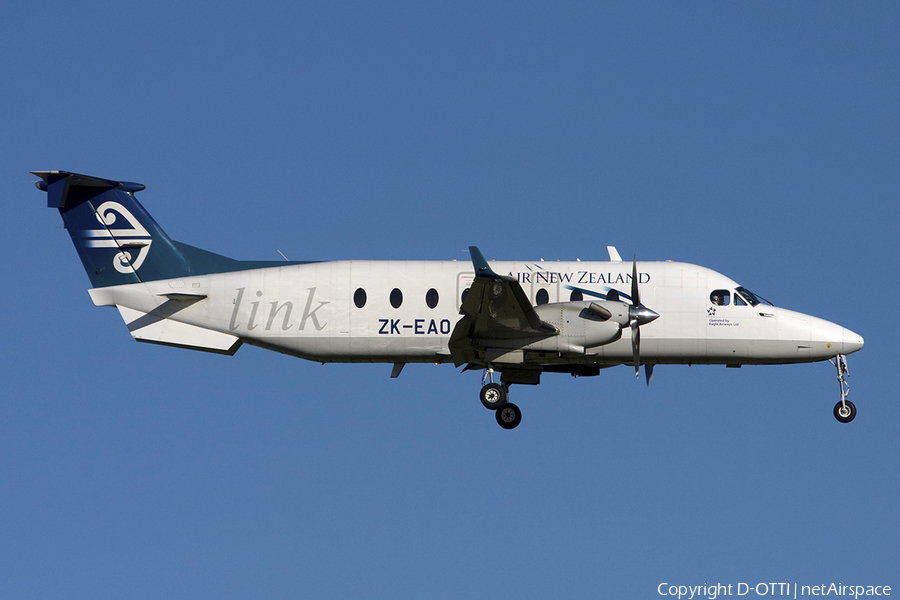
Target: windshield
{"x":752,"y":298}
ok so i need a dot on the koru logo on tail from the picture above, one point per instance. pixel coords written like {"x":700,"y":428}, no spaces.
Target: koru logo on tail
{"x":135,"y":239}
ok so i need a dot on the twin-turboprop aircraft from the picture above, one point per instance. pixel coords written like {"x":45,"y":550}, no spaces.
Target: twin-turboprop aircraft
{"x":521,"y":319}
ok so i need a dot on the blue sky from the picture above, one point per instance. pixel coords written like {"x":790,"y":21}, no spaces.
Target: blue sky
{"x":760,"y":140}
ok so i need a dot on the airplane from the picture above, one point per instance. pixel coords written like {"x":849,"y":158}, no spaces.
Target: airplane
{"x":520,"y":319}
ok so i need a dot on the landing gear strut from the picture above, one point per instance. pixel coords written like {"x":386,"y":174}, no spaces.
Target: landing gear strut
{"x":844,"y":411}
{"x":495,"y":396}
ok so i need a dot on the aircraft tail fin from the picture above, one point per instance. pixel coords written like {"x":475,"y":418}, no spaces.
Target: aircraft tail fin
{"x":117,"y":239}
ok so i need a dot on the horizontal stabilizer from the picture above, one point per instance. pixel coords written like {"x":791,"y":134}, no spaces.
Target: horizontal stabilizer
{"x":58,"y":184}
{"x":145,"y":327}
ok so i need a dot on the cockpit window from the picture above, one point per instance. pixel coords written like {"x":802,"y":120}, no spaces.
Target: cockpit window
{"x":738,"y":300}
{"x":720,"y":297}
{"x":752,"y":298}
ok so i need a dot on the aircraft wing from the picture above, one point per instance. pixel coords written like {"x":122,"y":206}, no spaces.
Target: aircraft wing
{"x":496,"y":314}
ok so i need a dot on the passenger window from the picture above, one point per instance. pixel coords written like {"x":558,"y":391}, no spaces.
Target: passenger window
{"x":431,"y":298}
{"x":720,"y":297}
{"x":462,"y":297}
{"x":576,"y":296}
{"x":612,"y":296}
{"x":396,"y":298}
{"x":542,"y":297}
{"x":359,"y":298}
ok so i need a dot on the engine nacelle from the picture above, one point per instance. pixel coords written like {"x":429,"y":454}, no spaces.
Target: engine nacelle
{"x":582,"y":325}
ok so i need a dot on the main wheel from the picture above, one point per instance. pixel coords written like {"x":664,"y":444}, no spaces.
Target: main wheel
{"x":843,"y":413}
{"x":509,"y":416}
{"x":493,"y":396}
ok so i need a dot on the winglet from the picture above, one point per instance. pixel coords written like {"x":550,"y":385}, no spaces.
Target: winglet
{"x":482,"y":269}
{"x":613,"y":254}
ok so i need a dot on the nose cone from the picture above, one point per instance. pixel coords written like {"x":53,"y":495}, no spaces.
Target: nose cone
{"x":831,"y":339}
{"x":851,"y":341}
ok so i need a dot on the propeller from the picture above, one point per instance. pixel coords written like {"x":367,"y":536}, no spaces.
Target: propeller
{"x":638,"y":315}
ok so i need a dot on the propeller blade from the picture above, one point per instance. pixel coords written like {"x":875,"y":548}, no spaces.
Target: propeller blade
{"x":635,"y":292}
{"x":638,"y":315}
{"x":636,"y":347}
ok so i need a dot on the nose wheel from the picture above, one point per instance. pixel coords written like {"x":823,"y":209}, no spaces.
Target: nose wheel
{"x":844,"y":411}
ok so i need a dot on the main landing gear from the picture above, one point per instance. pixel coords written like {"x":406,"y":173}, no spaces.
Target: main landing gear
{"x":495,"y":397}
{"x":844,"y":411}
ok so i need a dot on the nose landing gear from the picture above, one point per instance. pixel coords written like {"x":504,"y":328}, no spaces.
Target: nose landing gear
{"x":844,"y":411}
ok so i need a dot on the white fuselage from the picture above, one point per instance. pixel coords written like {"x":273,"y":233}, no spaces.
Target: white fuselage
{"x":311,"y":311}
